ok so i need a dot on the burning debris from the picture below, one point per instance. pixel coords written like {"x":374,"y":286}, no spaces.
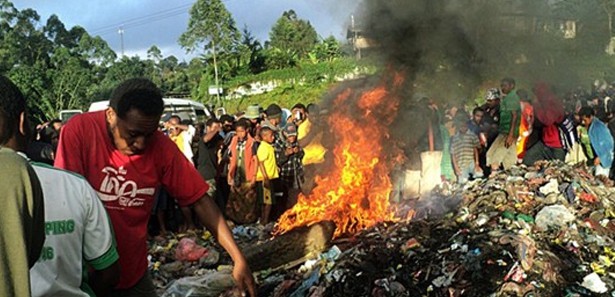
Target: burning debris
{"x":540,"y":231}
{"x":354,"y":193}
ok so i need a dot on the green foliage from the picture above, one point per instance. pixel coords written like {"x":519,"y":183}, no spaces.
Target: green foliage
{"x":280,"y":59}
{"x":305,"y":84}
{"x":328,"y":50}
{"x":210,"y":24}
{"x":290,"y":34}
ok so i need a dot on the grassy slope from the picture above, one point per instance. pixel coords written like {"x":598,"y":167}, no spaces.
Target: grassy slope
{"x":304,"y":84}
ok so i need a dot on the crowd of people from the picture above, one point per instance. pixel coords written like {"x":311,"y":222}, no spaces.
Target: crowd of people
{"x":516,"y":126}
{"x":253,"y":162}
{"x":88,"y":187}
{"x":79,"y":228}
{"x":79,"y":225}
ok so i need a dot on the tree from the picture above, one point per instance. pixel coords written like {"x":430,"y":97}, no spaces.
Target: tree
{"x":328,"y":50}
{"x":212,"y":28}
{"x":256,"y":59}
{"x":289,"y":33}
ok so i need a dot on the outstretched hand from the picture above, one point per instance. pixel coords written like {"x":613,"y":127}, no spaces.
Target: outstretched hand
{"x":244,"y":279}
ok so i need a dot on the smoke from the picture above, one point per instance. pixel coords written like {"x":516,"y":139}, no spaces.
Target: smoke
{"x":451,"y":51}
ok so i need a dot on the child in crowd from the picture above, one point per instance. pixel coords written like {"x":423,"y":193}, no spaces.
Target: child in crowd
{"x":464,"y":151}
{"x":241,"y":206}
{"x":291,"y":168}
{"x":267,"y":173}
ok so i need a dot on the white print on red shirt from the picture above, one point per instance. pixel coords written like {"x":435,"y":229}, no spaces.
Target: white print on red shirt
{"x":115,"y":187}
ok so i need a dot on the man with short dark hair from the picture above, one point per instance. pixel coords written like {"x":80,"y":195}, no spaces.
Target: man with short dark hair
{"x":22,"y":213}
{"x":123,"y":155}
{"x":227,"y":121}
{"x":491,"y":117}
{"x":503,"y":151}
{"x":207,"y":164}
{"x":600,"y":139}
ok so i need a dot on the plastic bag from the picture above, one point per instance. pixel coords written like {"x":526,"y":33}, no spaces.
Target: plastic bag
{"x":553,"y":216}
{"x":188,"y":250}
{"x":211,"y":284}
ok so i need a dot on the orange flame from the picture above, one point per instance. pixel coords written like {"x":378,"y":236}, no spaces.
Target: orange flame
{"x":355,"y":192}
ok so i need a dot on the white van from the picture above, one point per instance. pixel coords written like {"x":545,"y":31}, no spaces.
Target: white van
{"x":66,"y":114}
{"x":184,"y":108}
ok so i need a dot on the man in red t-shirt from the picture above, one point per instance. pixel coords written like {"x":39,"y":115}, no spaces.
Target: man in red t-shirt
{"x":126,"y":160}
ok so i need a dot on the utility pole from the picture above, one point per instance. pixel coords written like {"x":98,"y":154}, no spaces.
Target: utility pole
{"x":213,"y":43}
{"x":121,"y":32}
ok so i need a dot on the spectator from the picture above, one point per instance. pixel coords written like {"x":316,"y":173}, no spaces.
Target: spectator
{"x":121,"y":153}
{"x":241,"y":207}
{"x":447,"y":129}
{"x":77,"y":229}
{"x":298,"y":114}
{"x":22,"y":225}
{"x":291,"y":168}
{"x":579,"y":142}
{"x":479,"y":127}
{"x":253,"y":114}
{"x":227,"y":121}
{"x":601,"y":141}
{"x":208,"y":157}
{"x":464,"y":152}
{"x":182,"y":135}
{"x":475,"y":124}
{"x":492,"y":114}
{"x":267,"y":173}
{"x":223,"y":189}
{"x":503,"y":151}
{"x":274,"y":117}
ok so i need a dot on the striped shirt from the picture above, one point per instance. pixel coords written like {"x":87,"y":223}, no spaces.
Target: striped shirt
{"x":462,"y":148}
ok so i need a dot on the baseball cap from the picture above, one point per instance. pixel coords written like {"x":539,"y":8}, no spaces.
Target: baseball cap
{"x":290,"y":129}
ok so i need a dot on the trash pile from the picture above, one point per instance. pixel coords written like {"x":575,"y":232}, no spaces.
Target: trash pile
{"x":190,"y":264}
{"x":545,"y":230}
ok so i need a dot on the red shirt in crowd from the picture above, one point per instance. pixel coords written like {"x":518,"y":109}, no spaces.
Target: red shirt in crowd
{"x":127,"y":184}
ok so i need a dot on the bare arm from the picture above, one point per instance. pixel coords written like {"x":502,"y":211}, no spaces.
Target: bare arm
{"x":476,"y":158}
{"x":455,"y":164}
{"x":103,"y":281}
{"x":511,"y":139}
{"x":211,"y":217}
{"x":514,"y":123}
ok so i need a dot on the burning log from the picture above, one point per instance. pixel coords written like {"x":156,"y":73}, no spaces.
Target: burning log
{"x":291,"y":246}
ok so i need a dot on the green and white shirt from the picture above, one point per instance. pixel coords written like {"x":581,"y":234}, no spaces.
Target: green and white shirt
{"x":78,"y":232}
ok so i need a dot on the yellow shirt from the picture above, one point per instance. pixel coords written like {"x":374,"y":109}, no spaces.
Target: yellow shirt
{"x":179,"y":141}
{"x":266,"y":156}
{"x":314,"y":151}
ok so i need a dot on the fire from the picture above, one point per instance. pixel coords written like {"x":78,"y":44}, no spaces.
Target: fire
{"x":355,"y":192}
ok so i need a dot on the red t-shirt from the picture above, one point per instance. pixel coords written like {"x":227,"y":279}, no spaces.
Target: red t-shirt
{"x":127,"y":184}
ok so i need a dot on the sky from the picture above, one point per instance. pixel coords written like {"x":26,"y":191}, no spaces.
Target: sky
{"x":161,"y":22}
